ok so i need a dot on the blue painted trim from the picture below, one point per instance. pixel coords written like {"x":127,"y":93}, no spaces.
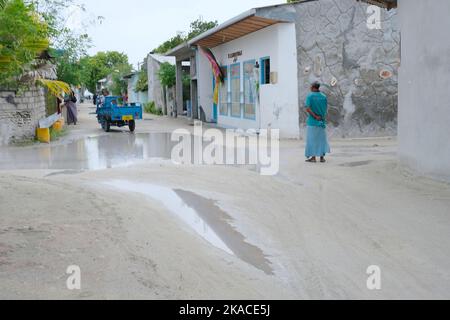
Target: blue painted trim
{"x":252,"y":62}
{"x":232,"y":78}
{"x":227,"y":93}
{"x":214,"y":106}
{"x":263,"y":71}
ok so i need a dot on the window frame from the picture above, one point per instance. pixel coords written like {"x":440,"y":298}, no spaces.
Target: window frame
{"x":240,"y":91}
{"x":227,"y":99}
{"x":263,"y":70}
{"x":245,"y":77}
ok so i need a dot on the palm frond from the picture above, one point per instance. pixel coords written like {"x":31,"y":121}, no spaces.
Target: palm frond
{"x":55,"y":87}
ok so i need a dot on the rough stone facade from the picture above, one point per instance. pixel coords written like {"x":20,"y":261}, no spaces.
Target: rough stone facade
{"x":358,"y":67}
{"x":20,"y":114}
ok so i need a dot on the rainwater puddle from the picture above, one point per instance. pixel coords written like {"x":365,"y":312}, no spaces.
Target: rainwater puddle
{"x":204,"y":217}
{"x":118,"y":149}
{"x":92,"y":153}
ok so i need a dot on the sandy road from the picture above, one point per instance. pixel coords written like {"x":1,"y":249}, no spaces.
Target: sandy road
{"x":318,"y":226}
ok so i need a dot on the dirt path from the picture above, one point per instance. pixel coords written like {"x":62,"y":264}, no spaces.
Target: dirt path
{"x":318,"y":227}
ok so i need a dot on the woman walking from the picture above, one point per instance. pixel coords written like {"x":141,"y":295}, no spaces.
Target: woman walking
{"x":72,"y":113}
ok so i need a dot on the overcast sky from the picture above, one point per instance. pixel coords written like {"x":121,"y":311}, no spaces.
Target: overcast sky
{"x":135,"y":27}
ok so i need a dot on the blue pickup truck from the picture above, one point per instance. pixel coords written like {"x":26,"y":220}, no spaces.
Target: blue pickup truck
{"x":112,"y":113}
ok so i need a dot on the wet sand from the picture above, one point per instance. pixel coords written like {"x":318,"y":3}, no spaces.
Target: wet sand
{"x":136,"y":225}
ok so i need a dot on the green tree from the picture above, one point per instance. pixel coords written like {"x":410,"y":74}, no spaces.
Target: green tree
{"x":170,"y":44}
{"x":101,"y":65}
{"x":23,"y":35}
{"x":167,"y":74}
{"x":119,"y":84}
{"x":70,"y":45}
{"x":68,"y":59}
{"x":199,"y":26}
{"x":142,"y":84}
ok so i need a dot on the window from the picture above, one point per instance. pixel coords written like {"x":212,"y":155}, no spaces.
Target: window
{"x":249,"y":90}
{"x":265,"y":70}
{"x":223,"y":100}
{"x":235,"y":75}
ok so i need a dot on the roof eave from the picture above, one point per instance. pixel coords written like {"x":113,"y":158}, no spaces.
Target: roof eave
{"x":388,"y":4}
{"x":181,"y":51}
{"x":222,"y":26}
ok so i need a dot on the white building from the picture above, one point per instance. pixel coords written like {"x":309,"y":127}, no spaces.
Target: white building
{"x":424,"y":85}
{"x":259,"y":81}
{"x":156,"y":92}
{"x":133,"y":95}
{"x":271,"y":55}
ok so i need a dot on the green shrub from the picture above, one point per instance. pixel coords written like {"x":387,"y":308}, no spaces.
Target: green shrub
{"x":55,"y":135}
{"x":151,"y":108}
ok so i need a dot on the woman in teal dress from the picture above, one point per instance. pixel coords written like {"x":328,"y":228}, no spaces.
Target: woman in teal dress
{"x":316,"y":134}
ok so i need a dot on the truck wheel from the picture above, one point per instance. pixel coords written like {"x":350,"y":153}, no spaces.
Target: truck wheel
{"x":132,"y":125}
{"x":107,"y":127}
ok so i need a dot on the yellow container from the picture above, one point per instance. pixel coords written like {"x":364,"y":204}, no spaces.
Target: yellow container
{"x":43,"y":135}
{"x":63,"y":122}
{"x":57,"y":126}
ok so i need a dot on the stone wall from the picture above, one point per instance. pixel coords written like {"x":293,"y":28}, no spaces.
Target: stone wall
{"x":358,"y":67}
{"x":20,"y":114}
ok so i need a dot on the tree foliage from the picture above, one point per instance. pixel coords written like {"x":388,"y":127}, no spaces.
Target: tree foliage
{"x":30,"y":26}
{"x":170,"y":44}
{"x":167,"y":74}
{"x":142,"y":84}
{"x":120,"y":85}
{"x":69,"y":45}
{"x":197,"y":27}
{"x":68,"y":59}
{"x":56,"y":88}
{"x":101,"y":65}
{"x":23,"y":35}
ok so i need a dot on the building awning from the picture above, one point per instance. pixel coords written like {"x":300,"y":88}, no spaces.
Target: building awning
{"x":388,"y":4}
{"x":246,"y":23}
{"x":181,"y":52}
{"x":232,"y":30}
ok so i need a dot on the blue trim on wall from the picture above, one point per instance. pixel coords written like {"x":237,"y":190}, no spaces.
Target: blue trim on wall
{"x":263,"y":71}
{"x":253,"y":62}
{"x":227,"y":93}
{"x":240,"y":93}
{"x":214,"y":106}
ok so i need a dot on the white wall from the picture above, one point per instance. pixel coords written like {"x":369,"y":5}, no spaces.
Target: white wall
{"x":424,"y":89}
{"x":278,"y":108}
{"x":133,"y":95}
{"x":205,"y":85}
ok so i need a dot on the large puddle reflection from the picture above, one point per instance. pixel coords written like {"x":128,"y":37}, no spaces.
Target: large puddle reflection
{"x":92,"y":153}
{"x":103,"y":152}
{"x":204,"y":217}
